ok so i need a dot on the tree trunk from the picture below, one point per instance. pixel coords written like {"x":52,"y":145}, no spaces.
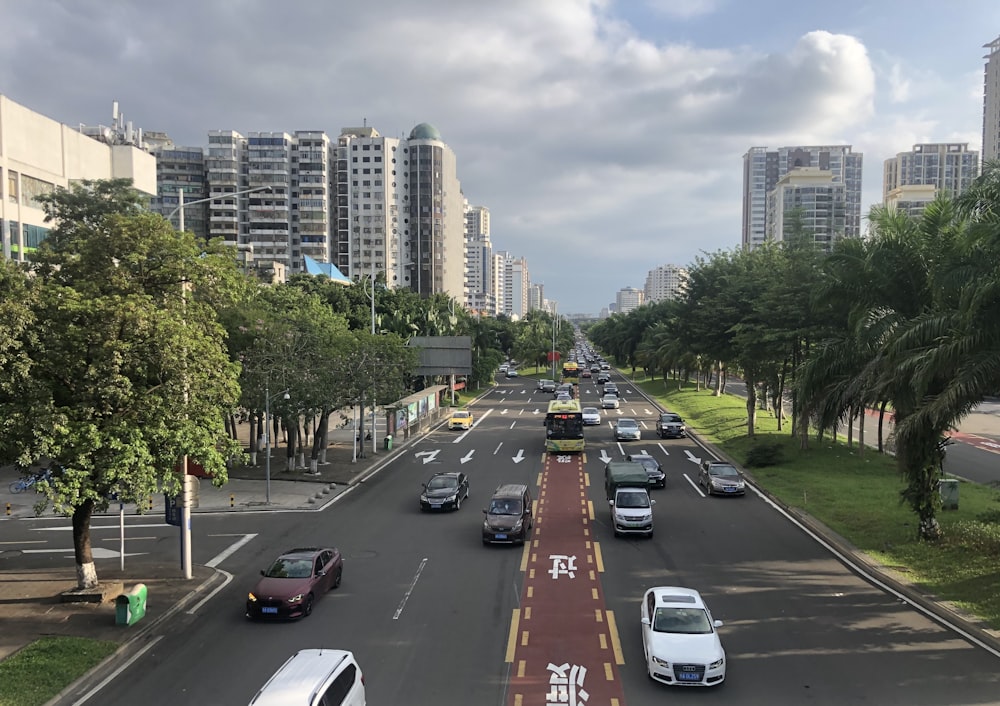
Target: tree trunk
{"x":290,"y":430}
{"x":881,"y":418}
{"x":861,"y":431}
{"x":850,"y":427}
{"x":86,"y":572}
{"x":751,"y":406}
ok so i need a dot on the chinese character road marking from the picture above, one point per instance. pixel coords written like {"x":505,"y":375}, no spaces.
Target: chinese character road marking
{"x":562,"y":565}
{"x":566,"y":688}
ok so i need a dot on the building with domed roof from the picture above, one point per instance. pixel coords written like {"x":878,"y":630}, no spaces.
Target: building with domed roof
{"x":400,"y":211}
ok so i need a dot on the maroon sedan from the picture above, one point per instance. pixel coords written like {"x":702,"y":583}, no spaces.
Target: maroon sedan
{"x":294,"y":581}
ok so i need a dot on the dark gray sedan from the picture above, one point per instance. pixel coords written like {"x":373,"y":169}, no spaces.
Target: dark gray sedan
{"x":444,"y":491}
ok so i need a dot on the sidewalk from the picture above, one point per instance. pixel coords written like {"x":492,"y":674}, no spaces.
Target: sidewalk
{"x":31,"y":604}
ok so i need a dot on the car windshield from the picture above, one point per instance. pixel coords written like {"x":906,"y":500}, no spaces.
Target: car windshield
{"x":505,"y":507}
{"x":685,"y":621}
{"x":633,"y":500}
{"x":627,"y":423}
{"x":591,"y":411}
{"x":462,"y":415}
{"x":647,"y":461}
{"x":724,"y":471}
{"x":670,"y":418}
{"x":439,"y":482}
{"x":285,"y":568}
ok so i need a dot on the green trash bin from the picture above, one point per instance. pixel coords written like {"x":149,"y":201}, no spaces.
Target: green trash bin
{"x":131,"y":606}
{"x":948,"y":487}
{"x":387,"y":443}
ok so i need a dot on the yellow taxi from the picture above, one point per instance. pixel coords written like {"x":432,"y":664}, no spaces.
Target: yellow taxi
{"x":460,"y":419}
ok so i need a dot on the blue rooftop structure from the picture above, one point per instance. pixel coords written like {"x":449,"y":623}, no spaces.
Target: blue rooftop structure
{"x":325,"y":269}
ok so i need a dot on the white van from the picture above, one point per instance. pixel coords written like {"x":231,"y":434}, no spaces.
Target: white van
{"x":317,"y":677}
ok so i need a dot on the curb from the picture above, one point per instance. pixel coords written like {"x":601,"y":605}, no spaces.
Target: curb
{"x":116,"y":659}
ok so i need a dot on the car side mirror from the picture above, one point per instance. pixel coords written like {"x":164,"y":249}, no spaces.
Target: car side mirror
{"x":645,"y":621}
{"x":718,"y":623}
{"x":321,"y":573}
{"x":611,"y":503}
{"x":652,"y":502}
{"x":424,"y":486}
{"x":263,"y":573}
{"x":485,"y":511}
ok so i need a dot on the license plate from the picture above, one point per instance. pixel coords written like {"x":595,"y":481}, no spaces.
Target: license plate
{"x":435,"y":505}
{"x":689,"y":676}
{"x":730,"y":490}
{"x":500,"y":536}
{"x":269,"y":611}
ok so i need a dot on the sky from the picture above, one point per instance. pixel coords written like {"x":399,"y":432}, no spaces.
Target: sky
{"x":605,"y":136}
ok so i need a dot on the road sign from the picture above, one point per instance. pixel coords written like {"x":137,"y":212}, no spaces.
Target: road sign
{"x":172,"y":509}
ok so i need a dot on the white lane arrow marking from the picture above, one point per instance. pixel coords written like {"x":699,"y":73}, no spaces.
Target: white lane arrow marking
{"x":428,"y":455}
{"x":467,"y":457}
{"x":691,"y":457}
{"x":504,"y":411}
{"x":519,"y":457}
{"x":96,"y":552}
{"x":604,"y":456}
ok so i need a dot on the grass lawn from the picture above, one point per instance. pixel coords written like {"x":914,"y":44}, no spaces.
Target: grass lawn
{"x":858,"y":497}
{"x":41,"y":670}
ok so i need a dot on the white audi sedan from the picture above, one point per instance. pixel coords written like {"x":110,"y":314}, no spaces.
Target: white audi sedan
{"x":679,"y":638}
{"x":610,"y":402}
{"x":591,"y":415}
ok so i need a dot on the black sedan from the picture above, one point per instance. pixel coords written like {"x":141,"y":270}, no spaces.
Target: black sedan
{"x":444,"y":491}
{"x":294,"y":581}
{"x":657,"y":478}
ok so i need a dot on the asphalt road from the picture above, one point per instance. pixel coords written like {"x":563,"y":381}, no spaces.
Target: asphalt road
{"x":427,"y":609}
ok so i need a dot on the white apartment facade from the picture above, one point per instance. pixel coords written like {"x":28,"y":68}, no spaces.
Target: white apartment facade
{"x":809,"y":198}
{"x":948,"y":166}
{"x":627,"y":299}
{"x":664,"y":282}
{"x":478,"y":261}
{"x":763,"y":168}
{"x":515,"y":282}
{"x":39,"y":154}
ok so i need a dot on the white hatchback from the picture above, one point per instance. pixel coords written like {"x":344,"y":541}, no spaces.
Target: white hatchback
{"x":679,"y":638}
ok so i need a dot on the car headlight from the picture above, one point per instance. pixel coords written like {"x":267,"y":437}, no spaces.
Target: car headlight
{"x":252,"y":598}
{"x":517,"y":525}
{"x":648,"y":516}
{"x":451,"y":498}
{"x":717,"y":663}
{"x":660,"y":662}
{"x":296,"y":599}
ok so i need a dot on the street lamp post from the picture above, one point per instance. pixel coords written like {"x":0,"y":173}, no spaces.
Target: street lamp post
{"x":267,"y":438}
{"x":179,"y":211}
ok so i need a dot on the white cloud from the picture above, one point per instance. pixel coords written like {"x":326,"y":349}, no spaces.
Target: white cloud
{"x":684,"y":9}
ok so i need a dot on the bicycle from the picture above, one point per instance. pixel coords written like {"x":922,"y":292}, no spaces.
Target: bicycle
{"x":22,"y":484}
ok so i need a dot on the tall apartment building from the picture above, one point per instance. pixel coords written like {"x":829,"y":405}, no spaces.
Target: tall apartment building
{"x":763,"y":168}
{"x":991,"y":102}
{"x":433,"y":232}
{"x":664,"y":282}
{"x":39,"y":154}
{"x":515,"y":282}
{"x":478,"y":261}
{"x":179,"y":169}
{"x":628,"y":299}
{"x":948,"y":166}
{"x":367,"y":193}
{"x":810,"y":199}
{"x":536,"y":297}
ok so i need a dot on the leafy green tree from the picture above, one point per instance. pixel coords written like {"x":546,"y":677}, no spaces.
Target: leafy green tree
{"x":126,"y":365}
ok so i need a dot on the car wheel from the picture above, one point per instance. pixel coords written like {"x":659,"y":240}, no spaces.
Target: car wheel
{"x":307,"y":609}
{"x":336,"y":580}
{"x":458,"y":503}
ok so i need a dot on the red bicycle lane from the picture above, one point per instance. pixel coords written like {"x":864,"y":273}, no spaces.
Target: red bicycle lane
{"x":563,"y":645}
